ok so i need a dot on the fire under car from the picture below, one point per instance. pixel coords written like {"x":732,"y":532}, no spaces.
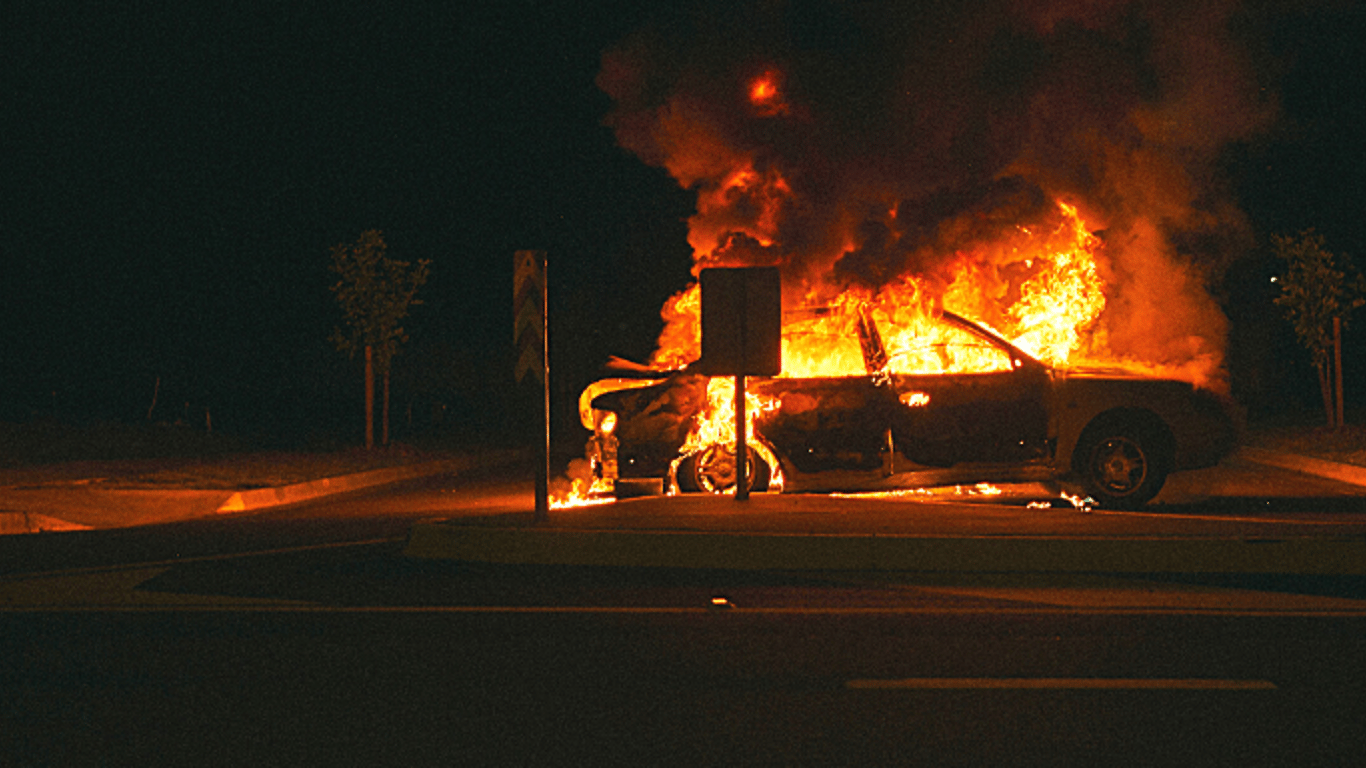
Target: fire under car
{"x":1112,"y":435}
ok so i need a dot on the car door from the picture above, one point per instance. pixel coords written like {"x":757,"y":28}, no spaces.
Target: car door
{"x":828,"y":424}
{"x":963,"y":399}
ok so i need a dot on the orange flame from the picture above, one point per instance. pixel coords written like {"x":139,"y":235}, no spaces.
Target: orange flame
{"x":762,"y":90}
{"x":1041,"y":290}
{"x":765,"y":94}
{"x":716,"y":426}
{"x":579,"y":488}
{"x":915,"y":399}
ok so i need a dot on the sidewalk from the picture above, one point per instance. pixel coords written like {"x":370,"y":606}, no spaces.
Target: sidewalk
{"x":66,"y":499}
{"x":1346,"y":473}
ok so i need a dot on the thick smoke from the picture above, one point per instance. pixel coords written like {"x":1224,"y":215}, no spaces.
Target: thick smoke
{"x":901,"y":133}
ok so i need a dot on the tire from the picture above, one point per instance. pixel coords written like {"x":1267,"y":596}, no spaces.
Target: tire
{"x":1123,"y":466}
{"x":712,"y":470}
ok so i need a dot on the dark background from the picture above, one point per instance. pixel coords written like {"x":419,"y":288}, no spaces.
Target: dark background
{"x":173,"y":179}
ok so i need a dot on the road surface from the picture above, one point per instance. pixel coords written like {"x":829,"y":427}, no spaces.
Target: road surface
{"x":305,"y":636}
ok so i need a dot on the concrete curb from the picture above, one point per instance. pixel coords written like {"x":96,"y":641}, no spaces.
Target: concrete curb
{"x":743,"y":551}
{"x":87,"y":507}
{"x":84,"y":506}
{"x":33,"y":522}
{"x":1345,"y":473}
{"x":265,"y":498}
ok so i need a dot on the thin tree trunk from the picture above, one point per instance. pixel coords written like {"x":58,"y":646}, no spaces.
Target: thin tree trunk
{"x":1326,"y":388}
{"x":155,"y":390}
{"x":1337,"y":369}
{"x":369,"y":397}
{"x":385,"y":438}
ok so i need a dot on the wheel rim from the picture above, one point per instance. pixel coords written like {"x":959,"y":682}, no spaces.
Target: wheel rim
{"x":714,"y":471}
{"x":1119,"y":466}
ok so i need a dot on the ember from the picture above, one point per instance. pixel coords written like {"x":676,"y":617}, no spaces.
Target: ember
{"x":766,"y":96}
{"x":915,"y":399}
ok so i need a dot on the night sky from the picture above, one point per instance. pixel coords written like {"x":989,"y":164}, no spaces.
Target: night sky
{"x":173,"y":179}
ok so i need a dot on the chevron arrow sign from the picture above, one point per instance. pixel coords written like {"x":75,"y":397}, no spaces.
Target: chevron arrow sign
{"x":528,"y":311}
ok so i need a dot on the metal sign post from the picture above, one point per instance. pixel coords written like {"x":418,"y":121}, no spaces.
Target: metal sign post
{"x":741,"y":336}
{"x":741,"y":443}
{"x":533,"y":359}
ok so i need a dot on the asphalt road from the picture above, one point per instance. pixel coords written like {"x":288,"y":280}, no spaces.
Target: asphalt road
{"x":304,"y":636}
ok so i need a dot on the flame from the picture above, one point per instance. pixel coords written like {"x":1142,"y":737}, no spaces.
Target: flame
{"x":582,"y":494}
{"x":866,"y":295}
{"x":826,"y":344}
{"x":915,"y":399}
{"x":761,"y":195}
{"x":902,"y":174}
{"x":716,"y":425}
{"x":762,"y":90}
{"x":765,"y":94}
{"x":681,"y":341}
{"x":579,"y":487}
{"x":980,"y":489}
{"x":1041,"y":290}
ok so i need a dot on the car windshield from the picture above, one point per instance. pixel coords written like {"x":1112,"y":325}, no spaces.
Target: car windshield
{"x":834,"y":342}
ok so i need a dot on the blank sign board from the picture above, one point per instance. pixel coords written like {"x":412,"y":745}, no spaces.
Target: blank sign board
{"x":742,"y":311}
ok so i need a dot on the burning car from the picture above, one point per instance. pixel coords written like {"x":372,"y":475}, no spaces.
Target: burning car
{"x":952,"y":403}
{"x":1069,"y":217}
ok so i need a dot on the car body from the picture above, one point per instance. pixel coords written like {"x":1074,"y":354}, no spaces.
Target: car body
{"x":1116,"y":435}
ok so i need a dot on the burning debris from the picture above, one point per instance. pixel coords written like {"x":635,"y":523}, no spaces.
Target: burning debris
{"x":978,"y":489}
{"x":579,"y":487}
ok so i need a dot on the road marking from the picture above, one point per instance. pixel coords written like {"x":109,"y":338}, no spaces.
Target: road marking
{"x":1061,"y":683}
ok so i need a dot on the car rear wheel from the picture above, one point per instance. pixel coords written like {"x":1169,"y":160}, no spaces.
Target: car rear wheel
{"x":712,"y":470}
{"x":1123,"y":468}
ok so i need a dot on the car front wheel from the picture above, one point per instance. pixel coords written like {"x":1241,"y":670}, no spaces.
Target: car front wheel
{"x":712,"y":470}
{"x":1123,"y":469}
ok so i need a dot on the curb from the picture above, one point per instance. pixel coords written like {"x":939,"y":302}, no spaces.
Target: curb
{"x":33,"y":522}
{"x":1346,"y":473}
{"x":265,"y":498}
{"x":86,"y":508}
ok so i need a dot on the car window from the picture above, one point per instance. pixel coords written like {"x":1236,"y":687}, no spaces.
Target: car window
{"x":821,"y":344}
{"x":819,"y":353}
{"x":942,"y":348}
